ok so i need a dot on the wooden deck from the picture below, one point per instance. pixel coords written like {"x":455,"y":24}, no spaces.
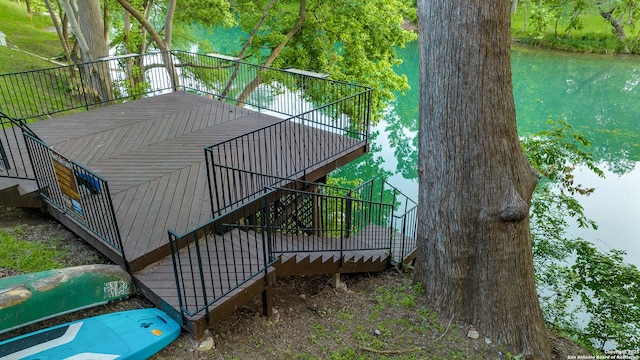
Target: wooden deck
{"x":151,"y":153}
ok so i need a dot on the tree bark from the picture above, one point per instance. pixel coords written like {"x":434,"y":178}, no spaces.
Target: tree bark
{"x":163,"y":45}
{"x":475,"y":184}
{"x":85,"y":20}
{"x":62,"y":34}
{"x":618,"y":28}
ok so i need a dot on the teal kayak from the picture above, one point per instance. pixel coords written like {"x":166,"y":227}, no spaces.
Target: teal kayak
{"x":29,"y":298}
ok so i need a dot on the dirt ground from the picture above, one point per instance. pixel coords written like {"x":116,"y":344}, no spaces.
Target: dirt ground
{"x":374,"y":316}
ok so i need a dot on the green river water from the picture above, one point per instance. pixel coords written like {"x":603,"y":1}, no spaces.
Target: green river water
{"x":598,"y":95}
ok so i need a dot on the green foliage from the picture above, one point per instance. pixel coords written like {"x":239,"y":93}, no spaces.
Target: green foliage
{"x":573,"y":276}
{"x":402,"y":296}
{"x":189,"y":12}
{"x":540,"y":18}
{"x":609,"y":290}
{"x":351,"y":41}
{"x":25,"y":256}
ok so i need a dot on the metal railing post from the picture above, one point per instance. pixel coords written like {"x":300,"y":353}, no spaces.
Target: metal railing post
{"x":392,"y":230}
{"x":175,"y":258}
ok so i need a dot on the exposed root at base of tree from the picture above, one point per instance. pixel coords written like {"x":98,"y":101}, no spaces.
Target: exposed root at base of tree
{"x":445,"y":330}
{"x":389,"y":352}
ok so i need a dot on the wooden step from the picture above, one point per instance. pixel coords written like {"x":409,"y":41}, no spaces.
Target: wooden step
{"x":19,"y":193}
{"x":314,"y":263}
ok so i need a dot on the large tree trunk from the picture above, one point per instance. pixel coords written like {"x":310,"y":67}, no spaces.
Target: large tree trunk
{"x":85,"y":20}
{"x":474,"y":251}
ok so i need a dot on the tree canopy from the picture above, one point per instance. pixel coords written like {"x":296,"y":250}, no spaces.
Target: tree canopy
{"x":352,"y":41}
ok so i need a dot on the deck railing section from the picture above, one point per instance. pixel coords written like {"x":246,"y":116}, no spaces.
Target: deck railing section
{"x":309,"y":139}
{"x":283,"y":93}
{"x":44,"y":92}
{"x":217,"y":258}
{"x":405,"y":223}
{"x":404,"y":220}
{"x":14,"y":160}
{"x":327,"y":215}
{"x":326,"y":219}
{"x":76,"y":191}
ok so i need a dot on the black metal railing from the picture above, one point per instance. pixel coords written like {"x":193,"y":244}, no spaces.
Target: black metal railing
{"x":217,"y":258}
{"x":282,"y":92}
{"x":342,"y":212}
{"x":14,"y":159}
{"x":405,"y":223}
{"x":45,"y":92}
{"x":373,"y":202}
{"x":288,"y":149}
{"x":75,"y":190}
{"x":315,"y":220}
{"x":340,"y":110}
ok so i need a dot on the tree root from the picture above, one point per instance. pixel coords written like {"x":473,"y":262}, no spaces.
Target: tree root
{"x":445,"y":330}
{"x":389,"y":352}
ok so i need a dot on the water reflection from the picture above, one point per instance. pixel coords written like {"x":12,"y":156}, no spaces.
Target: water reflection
{"x":597,"y":95}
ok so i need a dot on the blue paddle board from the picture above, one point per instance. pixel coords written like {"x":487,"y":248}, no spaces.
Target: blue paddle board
{"x":132,"y":334}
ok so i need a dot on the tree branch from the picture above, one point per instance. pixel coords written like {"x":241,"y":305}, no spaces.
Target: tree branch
{"x":302,"y":16}
{"x":162,"y":45}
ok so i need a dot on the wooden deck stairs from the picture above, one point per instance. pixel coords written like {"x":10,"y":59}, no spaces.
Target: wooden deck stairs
{"x":19,"y":193}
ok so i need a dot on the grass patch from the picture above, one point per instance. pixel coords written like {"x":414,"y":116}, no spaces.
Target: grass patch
{"x":26,"y":256}
{"x":23,"y":95}
{"x":16,"y":61}
{"x":28,"y":33}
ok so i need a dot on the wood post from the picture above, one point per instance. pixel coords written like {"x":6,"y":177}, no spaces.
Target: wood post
{"x":336,"y":281}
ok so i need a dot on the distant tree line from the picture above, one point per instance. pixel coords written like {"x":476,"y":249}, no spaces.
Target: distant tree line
{"x":568,"y":15}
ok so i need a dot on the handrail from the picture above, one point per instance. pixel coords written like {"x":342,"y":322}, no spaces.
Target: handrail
{"x":288,"y":136}
{"x":13,"y":157}
{"x":21,"y":124}
{"x":77,"y":191}
{"x":215,"y":259}
{"x":329,"y":223}
{"x":44,"y":92}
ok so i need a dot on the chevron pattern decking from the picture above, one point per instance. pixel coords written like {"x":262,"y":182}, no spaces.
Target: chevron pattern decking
{"x":151,"y":153}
